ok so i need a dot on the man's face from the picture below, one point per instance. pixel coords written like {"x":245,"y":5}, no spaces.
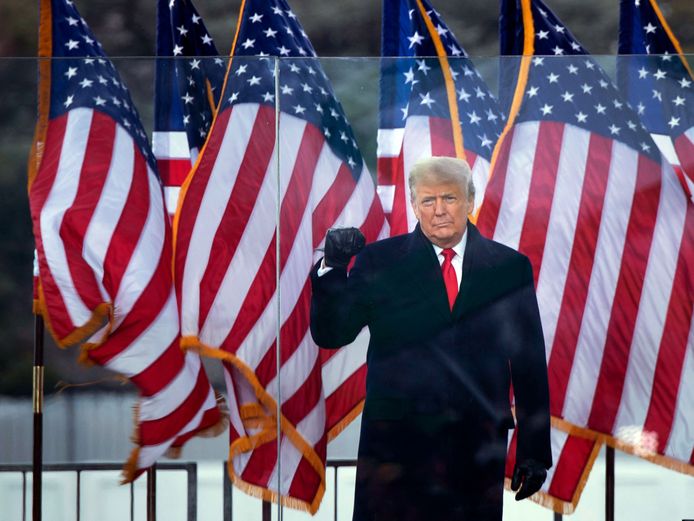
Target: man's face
{"x":442,"y":209}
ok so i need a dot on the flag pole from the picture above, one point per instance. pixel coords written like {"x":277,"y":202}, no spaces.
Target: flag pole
{"x":37,"y":401}
{"x":609,"y":483}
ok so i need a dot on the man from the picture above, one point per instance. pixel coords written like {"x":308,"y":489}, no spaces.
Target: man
{"x":454,"y":321}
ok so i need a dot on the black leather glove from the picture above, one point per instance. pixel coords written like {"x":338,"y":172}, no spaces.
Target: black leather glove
{"x":341,"y":244}
{"x":529,"y":475}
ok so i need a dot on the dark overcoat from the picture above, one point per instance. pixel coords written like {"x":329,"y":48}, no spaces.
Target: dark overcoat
{"x":437,"y":412}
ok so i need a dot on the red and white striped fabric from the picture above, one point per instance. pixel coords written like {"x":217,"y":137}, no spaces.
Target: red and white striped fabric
{"x":226,"y":269}
{"x":174,"y":161}
{"x":608,"y":229}
{"x":252,"y":216}
{"x":103,"y":243}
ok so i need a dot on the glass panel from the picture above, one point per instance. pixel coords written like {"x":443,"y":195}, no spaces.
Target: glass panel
{"x":334,"y":161}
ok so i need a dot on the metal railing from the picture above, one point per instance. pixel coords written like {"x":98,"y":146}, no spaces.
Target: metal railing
{"x":191,"y":470}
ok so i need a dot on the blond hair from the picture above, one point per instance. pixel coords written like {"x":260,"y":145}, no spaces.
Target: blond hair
{"x":441,"y":169}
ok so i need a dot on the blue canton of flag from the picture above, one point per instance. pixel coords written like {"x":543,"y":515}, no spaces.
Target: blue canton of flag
{"x":659,"y":87}
{"x":566,"y":85}
{"x":82,"y":76}
{"x":415,"y":87}
{"x":304,"y":89}
{"x":189,"y":78}
{"x":187,"y":88}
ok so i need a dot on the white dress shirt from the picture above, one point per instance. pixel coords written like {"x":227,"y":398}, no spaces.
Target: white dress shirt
{"x":457,"y":260}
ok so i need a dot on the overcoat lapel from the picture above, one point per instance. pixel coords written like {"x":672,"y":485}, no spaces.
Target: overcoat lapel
{"x":473,"y":258}
{"x":427,"y":275}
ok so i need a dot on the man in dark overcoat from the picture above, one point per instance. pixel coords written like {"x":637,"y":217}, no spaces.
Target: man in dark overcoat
{"x":454,"y":326}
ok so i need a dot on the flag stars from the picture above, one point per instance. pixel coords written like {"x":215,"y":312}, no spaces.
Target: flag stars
{"x":344,"y":137}
{"x":650,"y":28}
{"x":102,"y":80}
{"x":659,"y":75}
{"x":415,"y":39}
{"x":72,"y":21}
{"x":643,"y":73}
{"x":685,"y":83}
{"x":294,"y":68}
{"x":187,"y":98}
{"x":177,"y":50}
{"x":196,"y":19}
{"x":422,"y":66}
{"x":587,"y":89}
{"x":234,"y":96}
{"x":600,"y":108}
{"x":546,"y":109}
{"x":241,"y":69}
{"x":85,"y":83}
{"x":307,"y":88}
{"x":463,"y":95}
{"x":474,"y":118}
{"x":351,"y":162}
{"x":248,"y":43}
{"x":253,"y":80}
{"x":441,"y":30}
{"x":581,"y":117}
{"x":206,"y":39}
{"x":678,"y":101}
{"x":71,"y":71}
{"x":631,"y":125}
{"x":88,"y":40}
{"x":572,"y":69}
{"x":568,"y":97}
{"x":491,"y":116}
{"x":72,"y":44}
{"x":558,"y":51}
{"x":485,"y":141}
{"x":426,"y":100}
{"x":326,"y":132}
{"x":657,"y":95}
{"x":575,"y":46}
{"x":542,"y":35}
{"x":270,"y":32}
{"x":640,"y":108}
{"x":68,"y":101}
{"x":99,"y":101}
{"x":673,"y":122}
{"x":409,"y":77}
{"x":617,"y":104}
{"x":645,"y":147}
{"x":286,"y":89}
{"x":559,"y":28}
{"x":455,"y":50}
{"x":283,"y":51}
{"x":553,"y":78}
{"x":614,"y":129}
{"x":195,"y":64}
{"x":256,"y":18}
{"x":298,"y":109}
{"x":532,"y":92}
{"x":186,"y":119}
{"x":182,"y":30}
{"x":319,"y":108}
{"x":480,"y":93}
{"x":538,"y":60}
{"x":589,"y":64}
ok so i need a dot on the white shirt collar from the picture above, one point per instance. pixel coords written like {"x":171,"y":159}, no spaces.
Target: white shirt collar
{"x":459,"y":248}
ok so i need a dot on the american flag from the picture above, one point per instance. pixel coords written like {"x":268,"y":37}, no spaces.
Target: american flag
{"x":189,"y":78}
{"x":103,"y":238}
{"x":253,"y":213}
{"x":658,"y":83}
{"x":580,"y":187}
{"x":428,"y":106}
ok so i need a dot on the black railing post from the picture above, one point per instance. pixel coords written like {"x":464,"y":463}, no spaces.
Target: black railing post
{"x":37,"y":461}
{"x":192,"y":491}
{"x":609,"y":483}
{"x":228,"y":497}
{"x":267,"y":511}
{"x":152,"y":493}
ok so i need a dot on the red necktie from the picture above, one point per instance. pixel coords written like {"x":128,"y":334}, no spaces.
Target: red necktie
{"x":449,"y":277}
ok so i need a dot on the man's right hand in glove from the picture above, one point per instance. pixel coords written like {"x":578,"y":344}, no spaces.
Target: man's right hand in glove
{"x":341,"y":244}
